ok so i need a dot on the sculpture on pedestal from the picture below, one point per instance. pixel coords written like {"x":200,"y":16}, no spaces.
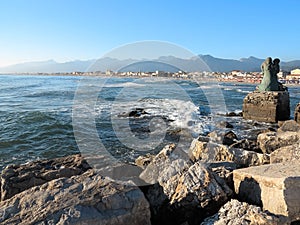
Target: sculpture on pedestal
{"x":270,"y":80}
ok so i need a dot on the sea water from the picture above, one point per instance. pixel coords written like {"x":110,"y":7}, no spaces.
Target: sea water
{"x":39,"y":113}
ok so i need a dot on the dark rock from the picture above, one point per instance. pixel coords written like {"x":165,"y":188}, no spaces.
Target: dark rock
{"x":297,"y":113}
{"x":225,"y":124}
{"x":229,"y":138}
{"x":267,"y":106}
{"x":17,"y":178}
{"x":246,"y":144}
{"x":84,"y":199}
{"x":232,"y":114}
{"x":134,"y":113}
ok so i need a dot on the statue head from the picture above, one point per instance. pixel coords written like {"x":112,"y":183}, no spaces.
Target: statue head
{"x":268,"y":60}
{"x":276,"y":61}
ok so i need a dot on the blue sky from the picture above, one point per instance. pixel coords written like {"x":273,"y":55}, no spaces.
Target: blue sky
{"x":64,"y":30}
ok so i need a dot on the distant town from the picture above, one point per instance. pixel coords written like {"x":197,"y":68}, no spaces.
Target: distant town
{"x":285,"y":77}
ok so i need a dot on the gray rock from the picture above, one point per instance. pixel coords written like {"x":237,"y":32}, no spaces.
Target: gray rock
{"x":212,"y":152}
{"x":267,"y":106}
{"x":84,"y":199}
{"x":290,"y":125}
{"x":17,"y":178}
{"x":285,"y":154}
{"x":270,"y":141}
{"x":185,"y":192}
{"x":273,"y":186}
{"x":241,"y":213}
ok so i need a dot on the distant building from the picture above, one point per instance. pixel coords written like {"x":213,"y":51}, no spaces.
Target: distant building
{"x":295,"y":71}
{"x":109,"y":72}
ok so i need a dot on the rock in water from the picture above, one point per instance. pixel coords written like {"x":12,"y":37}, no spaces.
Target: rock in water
{"x":239,"y":213}
{"x":267,"y":106}
{"x":84,"y":199}
{"x":17,"y":178}
{"x":275,"y":187}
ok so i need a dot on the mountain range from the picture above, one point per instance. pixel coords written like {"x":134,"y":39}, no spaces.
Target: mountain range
{"x":164,"y":63}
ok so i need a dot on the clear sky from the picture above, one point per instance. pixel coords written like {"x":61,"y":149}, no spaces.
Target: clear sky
{"x":64,"y":30}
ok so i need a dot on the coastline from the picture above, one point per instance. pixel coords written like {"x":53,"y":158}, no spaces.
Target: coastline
{"x":102,"y":75}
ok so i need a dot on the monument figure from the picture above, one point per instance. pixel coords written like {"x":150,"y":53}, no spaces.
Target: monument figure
{"x":270,"y":80}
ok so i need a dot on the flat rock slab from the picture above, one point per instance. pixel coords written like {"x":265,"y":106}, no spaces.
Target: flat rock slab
{"x":276,"y":187}
{"x":267,"y":106}
{"x":83,"y":199}
{"x":17,"y":178}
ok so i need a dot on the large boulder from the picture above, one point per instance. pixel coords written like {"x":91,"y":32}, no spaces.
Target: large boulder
{"x":271,"y":141}
{"x":267,"y":106}
{"x":275,"y":187}
{"x":211,"y":152}
{"x":84,"y":199}
{"x":184,"y":192}
{"x":285,"y":154}
{"x":289,"y":125}
{"x":237,"y":213}
{"x":17,"y":178}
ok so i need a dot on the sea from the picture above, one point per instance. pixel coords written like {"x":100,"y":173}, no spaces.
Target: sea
{"x":44,"y":117}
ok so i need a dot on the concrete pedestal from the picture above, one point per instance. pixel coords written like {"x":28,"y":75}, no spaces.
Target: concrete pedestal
{"x":267,"y":106}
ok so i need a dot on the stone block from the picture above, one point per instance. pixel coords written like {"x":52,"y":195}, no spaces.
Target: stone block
{"x":297,"y":113}
{"x":275,"y":187}
{"x":267,"y":106}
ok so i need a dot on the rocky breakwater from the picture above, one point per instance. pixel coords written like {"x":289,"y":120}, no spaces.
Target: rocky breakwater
{"x":267,"y":106}
{"x":221,"y":178}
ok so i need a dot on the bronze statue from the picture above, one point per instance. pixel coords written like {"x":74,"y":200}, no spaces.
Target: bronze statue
{"x":270,"y":79}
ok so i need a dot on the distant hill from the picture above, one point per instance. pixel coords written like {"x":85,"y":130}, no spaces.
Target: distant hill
{"x":164,"y":63}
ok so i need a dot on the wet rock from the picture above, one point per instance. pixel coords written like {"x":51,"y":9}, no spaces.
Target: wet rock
{"x":273,"y":186}
{"x":229,"y":138}
{"x":267,"y":106}
{"x":290,"y":125}
{"x":285,"y":154}
{"x":84,"y":199}
{"x":231,"y":114}
{"x":17,"y":178}
{"x":134,"y":113}
{"x":297,"y":113}
{"x":225,"y":124}
{"x":269,"y":142}
{"x":241,"y":213}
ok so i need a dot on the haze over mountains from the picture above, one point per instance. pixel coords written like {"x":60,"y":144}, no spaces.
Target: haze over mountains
{"x":164,"y":63}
